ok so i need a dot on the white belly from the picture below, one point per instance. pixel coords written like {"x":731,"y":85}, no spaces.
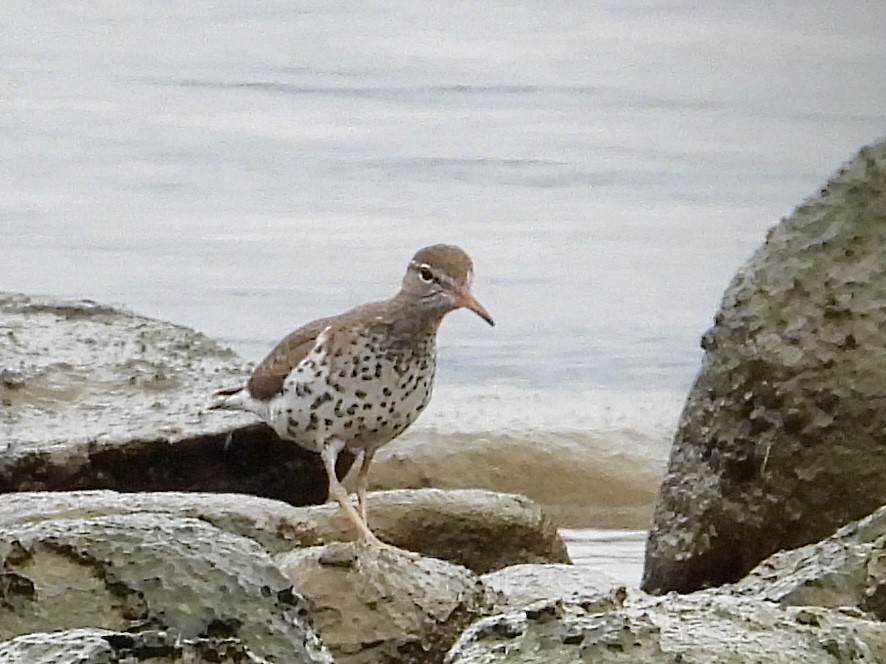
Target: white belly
{"x":325,"y":400}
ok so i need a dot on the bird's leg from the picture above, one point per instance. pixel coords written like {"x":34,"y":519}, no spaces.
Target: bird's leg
{"x":329,"y":454}
{"x":363,"y":483}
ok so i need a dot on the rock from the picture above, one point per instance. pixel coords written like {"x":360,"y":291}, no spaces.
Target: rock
{"x":481,"y":530}
{"x":452,"y":525}
{"x":516,"y":586}
{"x":783,"y":436}
{"x":820,"y":603}
{"x":376,"y":606}
{"x":99,"y":398}
{"x":702,"y":628}
{"x":150,"y":572}
{"x":99,"y":646}
{"x":275,"y":525}
{"x":847,"y":569}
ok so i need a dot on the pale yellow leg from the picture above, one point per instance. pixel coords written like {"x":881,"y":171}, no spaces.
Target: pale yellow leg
{"x":329,"y":454}
{"x":363,"y":484}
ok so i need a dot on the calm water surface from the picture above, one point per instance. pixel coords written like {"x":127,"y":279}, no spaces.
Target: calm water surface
{"x":243,"y":168}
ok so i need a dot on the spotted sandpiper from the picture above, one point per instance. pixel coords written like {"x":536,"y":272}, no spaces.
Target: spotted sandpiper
{"x":358,"y":380}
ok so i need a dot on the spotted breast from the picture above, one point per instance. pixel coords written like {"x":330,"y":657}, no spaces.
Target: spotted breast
{"x":354,"y":386}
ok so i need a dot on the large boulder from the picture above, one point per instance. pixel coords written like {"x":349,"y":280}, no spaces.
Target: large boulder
{"x":99,"y":398}
{"x":151,"y":573}
{"x":783,"y":436}
{"x":377,"y":606}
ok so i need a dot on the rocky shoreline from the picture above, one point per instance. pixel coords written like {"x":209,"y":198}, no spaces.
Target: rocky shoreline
{"x":102,"y":576}
{"x":136,"y":526}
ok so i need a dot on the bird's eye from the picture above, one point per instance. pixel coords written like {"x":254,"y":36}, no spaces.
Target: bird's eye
{"x":425,"y":273}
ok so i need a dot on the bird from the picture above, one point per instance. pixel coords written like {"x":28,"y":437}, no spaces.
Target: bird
{"x":358,"y":380}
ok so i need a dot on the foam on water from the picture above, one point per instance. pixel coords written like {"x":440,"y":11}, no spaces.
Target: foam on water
{"x":514,"y":409}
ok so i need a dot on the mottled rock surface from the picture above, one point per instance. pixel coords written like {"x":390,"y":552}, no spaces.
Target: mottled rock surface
{"x":99,"y":398}
{"x":823,"y":603}
{"x":702,"y":628}
{"x":457,"y":526}
{"x":376,"y":606}
{"x":783,"y":436}
{"x":847,"y":569}
{"x":516,"y":586}
{"x":149,"y":572}
{"x":100,"y":646}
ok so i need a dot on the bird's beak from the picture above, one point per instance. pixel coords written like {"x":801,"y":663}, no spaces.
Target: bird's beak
{"x":462,"y":297}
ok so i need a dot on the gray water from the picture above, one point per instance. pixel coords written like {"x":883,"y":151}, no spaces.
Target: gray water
{"x":244,"y":167}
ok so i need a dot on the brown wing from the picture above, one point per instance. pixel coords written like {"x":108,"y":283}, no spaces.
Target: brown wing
{"x":268,"y":378}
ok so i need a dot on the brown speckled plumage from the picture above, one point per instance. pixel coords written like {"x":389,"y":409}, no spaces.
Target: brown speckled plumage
{"x":359,"y":379}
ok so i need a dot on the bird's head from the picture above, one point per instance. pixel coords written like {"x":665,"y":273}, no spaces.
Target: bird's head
{"x":439,"y":278}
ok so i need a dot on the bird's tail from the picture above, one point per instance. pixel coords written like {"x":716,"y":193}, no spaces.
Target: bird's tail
{"x":229,"y":398}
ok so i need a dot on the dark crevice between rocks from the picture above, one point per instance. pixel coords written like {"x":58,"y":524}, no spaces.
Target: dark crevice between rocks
{"x":155,"y":645}
{"x":439,"y":640}
{"x":14,"y":589}
{"x":727,"y":562}
{"x":250,"y":460}
{"x":142,"y":646}
{"x":875,"y":601}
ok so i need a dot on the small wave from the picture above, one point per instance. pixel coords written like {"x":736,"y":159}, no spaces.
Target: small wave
{"x":592,"y":459}
{"x":498,"y":408}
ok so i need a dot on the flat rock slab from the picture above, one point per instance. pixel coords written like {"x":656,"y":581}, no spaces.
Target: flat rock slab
{"x":147,"y":572}
{"x":377,"y":606}
{"x":783,"y":437}
{"x":692,"y":629}
{"x":457,"y":526}
{"x":96,"y":397}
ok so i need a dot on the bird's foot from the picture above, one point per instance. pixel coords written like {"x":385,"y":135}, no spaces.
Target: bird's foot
{"x":370,"y":539}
